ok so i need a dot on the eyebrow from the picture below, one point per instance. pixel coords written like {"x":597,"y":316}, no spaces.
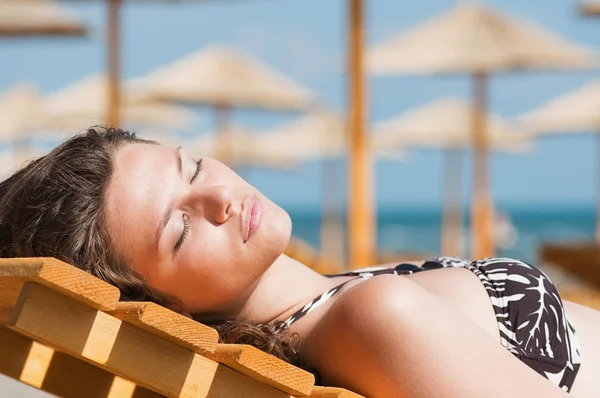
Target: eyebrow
{"x":167,"y":214}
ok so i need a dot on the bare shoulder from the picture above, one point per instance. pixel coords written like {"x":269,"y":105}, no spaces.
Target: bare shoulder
{"x":356,"y":305}
{"x":389,"y":336}
{"x":366,"y":303}
{"x":347,"y":342}
{"x":381,"y":291}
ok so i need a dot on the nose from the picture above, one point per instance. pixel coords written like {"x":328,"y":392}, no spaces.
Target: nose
{"x":216,"y":202}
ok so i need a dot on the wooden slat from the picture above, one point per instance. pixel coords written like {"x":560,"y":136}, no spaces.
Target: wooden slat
{"x":126,"y":350}
{"x":141,"y":393}
{"x":15,"y":350}
{"x":57,"y":275}
{"x":333,"y":392}
{"x":122,"y":388}
{"x":169,"y":325}
{"x":37,"y":364}
{"x":4,"y":314}
{"x":264,"y":367}
{"x":57,"y":373}
{"x":70,"y":377}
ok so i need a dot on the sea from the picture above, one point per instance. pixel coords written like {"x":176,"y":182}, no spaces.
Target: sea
{"x":521,"y":230}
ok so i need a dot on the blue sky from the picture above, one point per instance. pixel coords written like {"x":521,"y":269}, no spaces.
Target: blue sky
{"x":305,"y":39}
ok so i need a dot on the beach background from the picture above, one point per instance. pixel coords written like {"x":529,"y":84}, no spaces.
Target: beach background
{"x":416,"y":229}
{"x":546,"y":195}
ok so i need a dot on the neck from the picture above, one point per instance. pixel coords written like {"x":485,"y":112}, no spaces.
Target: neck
{"x":283,"y":289}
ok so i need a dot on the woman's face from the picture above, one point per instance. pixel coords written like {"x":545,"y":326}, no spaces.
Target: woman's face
{"x":201,"y":234}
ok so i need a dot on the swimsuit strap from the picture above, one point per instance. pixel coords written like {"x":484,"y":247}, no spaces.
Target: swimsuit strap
{"x":364,"y":273}
{"x":311,"y":305}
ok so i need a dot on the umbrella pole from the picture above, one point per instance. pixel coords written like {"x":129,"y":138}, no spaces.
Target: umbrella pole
{"x":597,"y":187}
{"x":452,"y":219}
{"x":222,"y":113}
{"x":481,"y":209}
{"x":113,"y":57}
{"x":360,"y":206}
{"x":592,"y":9}
{"x":332,"y":229}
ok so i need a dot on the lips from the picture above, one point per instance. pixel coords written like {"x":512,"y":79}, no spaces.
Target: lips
{"x":252,"y":216}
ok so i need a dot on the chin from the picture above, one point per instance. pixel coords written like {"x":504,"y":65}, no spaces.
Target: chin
{"x":287,"y":230}
{"x":274,"y":240}
{"x":279,"y":232}
{"x":283,"y":231}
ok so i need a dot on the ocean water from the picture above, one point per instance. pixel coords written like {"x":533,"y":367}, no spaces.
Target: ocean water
{"x":418,"y":229}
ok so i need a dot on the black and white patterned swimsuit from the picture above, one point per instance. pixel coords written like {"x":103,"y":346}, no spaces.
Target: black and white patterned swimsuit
{"x":530,"y":314}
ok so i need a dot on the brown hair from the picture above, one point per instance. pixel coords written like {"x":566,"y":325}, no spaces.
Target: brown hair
{"x":53,"y":207}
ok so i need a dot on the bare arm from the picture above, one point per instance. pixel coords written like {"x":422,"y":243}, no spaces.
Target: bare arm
{"x":389,"y":337}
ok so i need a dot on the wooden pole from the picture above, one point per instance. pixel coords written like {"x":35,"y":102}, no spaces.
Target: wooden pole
{"x":360,"y":207}
{"x":592,"y":9}
{"x":452,"y":219}
{"x":224,"y":134}
{"x":481,"y":209}
{"x":114,"y":63}
{"x":597,"y":137}
{"x":332,"y":229}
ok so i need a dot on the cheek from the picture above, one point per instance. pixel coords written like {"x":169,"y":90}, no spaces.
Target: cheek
{"x":209,"y":255}
{"x":211,"y":274}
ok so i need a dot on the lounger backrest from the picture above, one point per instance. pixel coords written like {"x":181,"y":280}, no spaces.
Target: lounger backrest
{"x":64,"y":331}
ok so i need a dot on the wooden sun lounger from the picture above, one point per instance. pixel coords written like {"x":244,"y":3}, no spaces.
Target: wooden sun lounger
{"x":65,"y":332}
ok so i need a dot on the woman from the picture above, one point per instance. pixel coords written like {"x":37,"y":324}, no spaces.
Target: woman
{"x":192,"y":235}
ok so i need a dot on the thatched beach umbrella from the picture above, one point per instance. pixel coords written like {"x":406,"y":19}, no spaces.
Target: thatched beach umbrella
{"x":320,"y":134}
{"x":239,"y":147}
{"x":474,"y":39}
{"x":575,"y":112}
{"x":19,"y":107}
{"x":446,"y":124}
{"x":11,"y":161}
{"x":591,"y":9}
{"x":113,"y":61}
{"x":225,"y":78}
{"x":29,"y":18}
{"x":83,"y":104}
{"x":25,"y":18}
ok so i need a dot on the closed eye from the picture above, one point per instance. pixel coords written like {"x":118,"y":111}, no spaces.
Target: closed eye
{"x":187,"y":225}
{"x":198,"y":169}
